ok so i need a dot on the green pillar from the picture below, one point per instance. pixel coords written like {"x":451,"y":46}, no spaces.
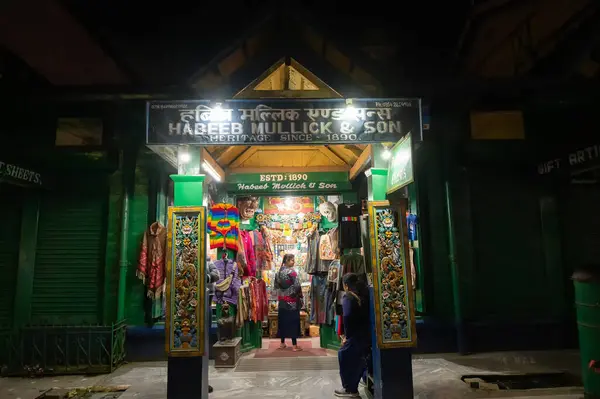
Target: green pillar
{"x":394,"y":378}
{"x":188,"y":191}
{"x":189,"y":182}
{"x":26,"y":268}
{"x":377,"y":183}
{"x":377,"y":175}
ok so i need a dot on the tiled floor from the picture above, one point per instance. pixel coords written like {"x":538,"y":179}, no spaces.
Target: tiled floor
{"x":436,"y":376}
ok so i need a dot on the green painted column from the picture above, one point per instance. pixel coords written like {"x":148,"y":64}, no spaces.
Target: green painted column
{"x":377,"y":183}
{"x":187,"y":377}
{"x":393,"y":367}
{"x":26,"y":268}
{"x":188,"y":189}
{"x":128,"y":163}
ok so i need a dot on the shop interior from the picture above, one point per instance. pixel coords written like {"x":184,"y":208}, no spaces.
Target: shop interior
{"x":327,"y":238}
{"x":259,"y":230}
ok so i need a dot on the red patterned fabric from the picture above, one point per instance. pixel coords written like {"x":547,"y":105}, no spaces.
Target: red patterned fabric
{"x":250,"y":267}
{"x":151,"y":266}
{"x":260,"y":306}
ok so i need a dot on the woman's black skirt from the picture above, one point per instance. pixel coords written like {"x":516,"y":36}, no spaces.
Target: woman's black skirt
{"x":288,"y":323}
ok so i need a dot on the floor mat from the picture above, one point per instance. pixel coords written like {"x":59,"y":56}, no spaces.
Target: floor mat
{"x":325,"y":363}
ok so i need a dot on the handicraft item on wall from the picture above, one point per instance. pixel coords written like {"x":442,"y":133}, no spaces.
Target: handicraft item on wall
{"x":186,"y":256}
{"x":328,"y":210}
{"x":247,"y":207}
{"x":394,"y":304}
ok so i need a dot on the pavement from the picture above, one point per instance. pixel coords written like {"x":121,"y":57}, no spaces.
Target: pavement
{"x":435,"y":376}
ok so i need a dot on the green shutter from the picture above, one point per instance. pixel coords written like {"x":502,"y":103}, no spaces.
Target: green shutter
{"x":69,"y":260}
{"x":10,"y":234}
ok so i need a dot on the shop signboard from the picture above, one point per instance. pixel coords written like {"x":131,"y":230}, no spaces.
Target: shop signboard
{"x":282,"y":122}
{"x":400,"y":170}
{"x":18,"y":175}
{"x":317,"y":182}
{"x":579,"y":160}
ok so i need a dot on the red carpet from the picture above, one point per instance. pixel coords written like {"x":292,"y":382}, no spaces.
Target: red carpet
{"x":272,"y":350}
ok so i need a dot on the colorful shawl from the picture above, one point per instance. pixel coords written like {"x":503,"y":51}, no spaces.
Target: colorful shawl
{"x":151,"y":265}
{"x":223,"y":226}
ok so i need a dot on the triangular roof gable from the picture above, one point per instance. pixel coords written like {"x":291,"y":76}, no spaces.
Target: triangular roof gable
{"x":282,"y":70}
{"x":265,"y":39}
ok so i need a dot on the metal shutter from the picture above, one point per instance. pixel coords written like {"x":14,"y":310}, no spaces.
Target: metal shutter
{"x":70,"y":257}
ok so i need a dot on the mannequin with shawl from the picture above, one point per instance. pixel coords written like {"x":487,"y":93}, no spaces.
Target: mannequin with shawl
{"x":289,"y":295}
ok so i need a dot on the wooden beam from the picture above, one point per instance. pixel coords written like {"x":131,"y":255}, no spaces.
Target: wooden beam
{"x":290,"y":169}
{"x":211,"y":161}
{"x":332,"y":156}
{"x":362,"y":162}
{"x":354,"y":149}
{"x":231,"y":150}
{"x":348,"y":156}
{"x":244,"y":157}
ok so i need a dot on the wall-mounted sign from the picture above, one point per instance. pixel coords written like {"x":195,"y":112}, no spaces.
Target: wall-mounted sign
{"x":288,"y":182}
{"x":244,"y":122}
{"x":577,"y":159}
{"x":288,"y":205}
{"x":19,"y":175}
{"x":400,"y":170}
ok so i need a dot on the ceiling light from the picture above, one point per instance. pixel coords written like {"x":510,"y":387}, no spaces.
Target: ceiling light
{"x":211,"y":171}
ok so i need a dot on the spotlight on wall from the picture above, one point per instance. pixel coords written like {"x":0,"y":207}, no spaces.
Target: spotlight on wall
{"x":350,"y":113}
{"x":218,"y":114}
{"x":211,"y":171}
{"x":386,"y":154}
{"x":183,"y":155}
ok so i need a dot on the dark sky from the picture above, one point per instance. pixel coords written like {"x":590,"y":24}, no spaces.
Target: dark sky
{"x":183,"y":35}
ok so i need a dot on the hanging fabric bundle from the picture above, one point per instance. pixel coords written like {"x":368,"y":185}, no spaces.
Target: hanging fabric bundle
{"x":151,"y":266}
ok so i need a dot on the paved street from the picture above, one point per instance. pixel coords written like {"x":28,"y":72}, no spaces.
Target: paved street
{"x":435,"y":376}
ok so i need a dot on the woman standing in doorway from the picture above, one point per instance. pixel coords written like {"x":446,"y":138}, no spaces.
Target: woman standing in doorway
{"x":289,"y":294}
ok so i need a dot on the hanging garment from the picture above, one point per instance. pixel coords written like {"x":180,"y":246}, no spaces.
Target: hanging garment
{"x":250,"y":268}
{"x":226,"y":289}
{"x":319,"y":300}
{"x":242,"y":308}
{"x":312,"y":253}
{"x":349,"y":226}
{"x":334,"y":240}
{"x":330,"y":298}
{"x":151,"y":265}
{"x":260,"y":306}
{"x":353,"y":263}
{"x":411,"y":221}
{"x":264,"y":257}
{"x":223,"y":226}
{"x":325,"y":248}
{"x":252,"y":307}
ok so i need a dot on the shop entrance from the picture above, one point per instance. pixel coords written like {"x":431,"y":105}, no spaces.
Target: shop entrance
{"x":277,"y":170}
